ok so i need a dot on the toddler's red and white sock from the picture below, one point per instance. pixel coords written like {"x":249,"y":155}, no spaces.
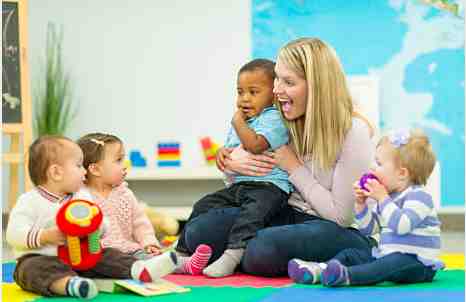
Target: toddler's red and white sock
{"x":196,"y":263}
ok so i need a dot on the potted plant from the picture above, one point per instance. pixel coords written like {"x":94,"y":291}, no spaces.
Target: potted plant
{"x":53,"y":96}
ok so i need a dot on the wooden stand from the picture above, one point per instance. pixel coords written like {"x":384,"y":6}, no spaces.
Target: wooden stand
{"x":16,"y":120}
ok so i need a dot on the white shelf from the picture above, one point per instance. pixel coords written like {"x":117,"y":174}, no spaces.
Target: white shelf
{"x":451,"y":210}
{"x":174,"y":173}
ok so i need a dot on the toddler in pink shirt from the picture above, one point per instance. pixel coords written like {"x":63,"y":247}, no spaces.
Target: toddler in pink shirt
{"x":128,"y":228}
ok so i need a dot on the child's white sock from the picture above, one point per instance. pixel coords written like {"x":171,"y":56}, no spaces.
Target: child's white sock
{"x":155,"y":268}
{"x":82,"y":288}
{"x":225,"y":265}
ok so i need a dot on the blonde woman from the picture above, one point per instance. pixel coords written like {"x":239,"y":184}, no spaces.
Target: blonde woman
{"x":330,"y":148}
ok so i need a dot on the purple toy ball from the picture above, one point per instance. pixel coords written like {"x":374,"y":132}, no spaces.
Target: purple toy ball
{"x":364,"y":179}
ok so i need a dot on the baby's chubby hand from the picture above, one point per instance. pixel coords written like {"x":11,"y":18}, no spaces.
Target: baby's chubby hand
{"x":52,"y":236}
{"x":361,"y":197}
{"x":359,"y":193}
{"x":377,"y":190}
{"x":152,"y":249}
{"x":239,"y":116}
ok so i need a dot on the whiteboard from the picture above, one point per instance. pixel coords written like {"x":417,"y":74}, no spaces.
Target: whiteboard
{"x":163,"y":72}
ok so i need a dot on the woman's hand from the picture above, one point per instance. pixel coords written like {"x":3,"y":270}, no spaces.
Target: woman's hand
{"x":286,"y":159}
{"x":245,"y":163}
{"x":222,"y":155}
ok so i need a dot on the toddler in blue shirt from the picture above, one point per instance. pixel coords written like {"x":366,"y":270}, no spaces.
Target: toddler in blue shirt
{"x":258,"y":127}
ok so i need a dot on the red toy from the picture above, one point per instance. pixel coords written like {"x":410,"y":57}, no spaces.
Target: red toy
{"x":210,"y":149}
{"x":80,"y":221}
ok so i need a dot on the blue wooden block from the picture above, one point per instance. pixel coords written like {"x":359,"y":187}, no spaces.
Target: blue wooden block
{"x":169,"y":163}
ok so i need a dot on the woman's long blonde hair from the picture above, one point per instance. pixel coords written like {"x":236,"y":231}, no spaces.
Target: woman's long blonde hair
{"x":319,"y":134}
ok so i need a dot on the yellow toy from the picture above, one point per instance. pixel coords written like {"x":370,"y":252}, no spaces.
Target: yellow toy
{"x":168,"y":240}
{"x":163,"y":224}
{"x":210,"y":150}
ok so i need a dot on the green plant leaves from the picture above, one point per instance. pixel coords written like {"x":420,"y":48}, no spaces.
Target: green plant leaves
{"x":54,"y":98}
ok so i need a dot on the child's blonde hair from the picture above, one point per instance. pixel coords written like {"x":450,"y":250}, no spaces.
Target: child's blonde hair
{"x":43,"y":152}
{"x":93,"y":146}
{"x":413,"y":151}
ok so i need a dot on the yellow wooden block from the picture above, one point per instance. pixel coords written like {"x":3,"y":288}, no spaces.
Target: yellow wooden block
{"x":210,"y":152}
{"x":168,"y":240}
{"x":168,"y":157}
{"x":453,"y":261}
{"x":11,"y":292}
{"x":127,"y":164}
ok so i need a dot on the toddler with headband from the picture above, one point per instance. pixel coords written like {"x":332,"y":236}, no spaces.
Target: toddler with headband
{"x":130,"y":230}
{"x":396,"y":205}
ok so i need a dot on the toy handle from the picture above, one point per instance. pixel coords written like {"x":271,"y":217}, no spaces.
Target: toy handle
{"x":94,"y":242}
{"x":74,"y":249}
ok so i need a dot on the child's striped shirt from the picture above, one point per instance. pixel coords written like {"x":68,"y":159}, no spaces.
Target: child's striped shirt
{"x":407,"y":223}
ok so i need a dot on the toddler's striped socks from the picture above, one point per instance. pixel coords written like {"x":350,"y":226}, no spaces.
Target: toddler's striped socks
{"x":82,"y":288}
{"x":195,"y":264}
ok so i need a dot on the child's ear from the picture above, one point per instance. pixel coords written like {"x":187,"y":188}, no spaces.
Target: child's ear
{"x":55,"y":172}
{"x":94,"y":170}
{"x":404,"y":173}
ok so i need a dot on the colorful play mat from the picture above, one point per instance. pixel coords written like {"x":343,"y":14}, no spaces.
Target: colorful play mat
{"x":447,"y":286}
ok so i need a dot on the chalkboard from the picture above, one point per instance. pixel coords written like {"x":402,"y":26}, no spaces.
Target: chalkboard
{"x":11,"y":67}
{"x":16,"y":98}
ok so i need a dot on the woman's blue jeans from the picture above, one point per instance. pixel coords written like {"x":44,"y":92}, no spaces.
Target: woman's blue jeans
{"x":291,"y":235}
